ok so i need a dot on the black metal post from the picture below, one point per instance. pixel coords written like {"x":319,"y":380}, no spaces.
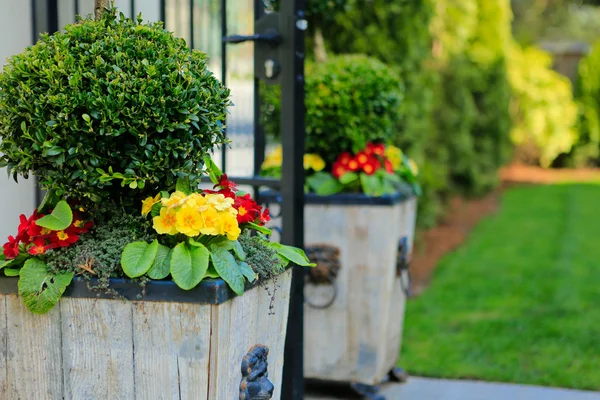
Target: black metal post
{"x":224,"y":73}
{"x":293,"y":25}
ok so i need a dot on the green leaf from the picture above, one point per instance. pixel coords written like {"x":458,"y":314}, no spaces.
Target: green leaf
{"x":324,"y":184}
{"x":189,"y":265}
{"x":16,"y":262}
{"x":155,"y":211}
{"x":85,"y":117}
{"x":183,"y":185}
{"x":293,"y":254}
{"x":138,"y":257}
{"x":372,"y":185}
{"x":211,"y":272}
{"x":221,"y":243}
{"x":247,"y":271}
{"x":261,"y":229}
{"x":239,"y":251}
{"x":48,"y":201}
{"x":348,"y":178}
{"x":12,"y":271}
{"x":60,"y":218}
{"x":40,"y":288}
{"x":214,"y":173}
{"x":228,"y":269}
{"x":161,"y":267}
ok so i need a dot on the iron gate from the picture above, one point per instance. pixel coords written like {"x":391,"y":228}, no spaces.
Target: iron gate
{"x":276,"y":56}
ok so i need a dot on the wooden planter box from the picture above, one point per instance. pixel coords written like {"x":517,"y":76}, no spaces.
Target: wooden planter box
{"x":174,"y":344}
{"x":356,"y":338}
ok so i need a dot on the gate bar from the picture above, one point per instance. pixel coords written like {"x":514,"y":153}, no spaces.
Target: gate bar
{"x":293,"y":25}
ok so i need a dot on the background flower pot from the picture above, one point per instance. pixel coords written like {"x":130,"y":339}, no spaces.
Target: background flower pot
{"x":356,"y":295}
{"x":172,"y":344}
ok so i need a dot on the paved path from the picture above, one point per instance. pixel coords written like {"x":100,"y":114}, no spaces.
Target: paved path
{"x":440,"y":389}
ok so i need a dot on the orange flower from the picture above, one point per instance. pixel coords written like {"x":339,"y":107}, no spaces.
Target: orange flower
{"x":344,"y":158}
{"x":362,"y":158}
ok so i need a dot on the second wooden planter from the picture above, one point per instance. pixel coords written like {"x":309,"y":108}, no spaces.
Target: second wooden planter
{"x":201,"y":344}
{"x":355,"y":297}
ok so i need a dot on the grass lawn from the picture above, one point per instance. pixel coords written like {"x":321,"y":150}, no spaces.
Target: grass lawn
{"x":520,"y":300}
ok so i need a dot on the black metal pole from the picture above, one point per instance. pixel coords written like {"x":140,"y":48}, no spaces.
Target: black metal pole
{"x":224,"y":73}
{"x":293,"y":25}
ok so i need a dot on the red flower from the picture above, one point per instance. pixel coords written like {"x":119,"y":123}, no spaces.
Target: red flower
{"x":338,"y":169}
{"x":39,"y":247}
{"x":225,"y":183}
{"x":11,"y":248}
{"x":248,"y":210}
{"x":388,"y":166}
{"x":264,"y":217}
{"x":63,"y":238}
{"x":344,"y":158}
{"x":78,"y":225}
{"x":371,"y":166}
{"x":362,"y":158}
{"x":377,"y":149}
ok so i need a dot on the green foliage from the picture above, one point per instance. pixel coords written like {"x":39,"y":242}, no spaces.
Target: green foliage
{"x":544,"y":111}
{"x":60,"y":218}
{"x":350,"y":100}
{"x":138,"y":257}
{"x":319,"y":11}
{"x":103,"y":246}
{"x":474,"y":123}
{"x":39,"y":288}
{"x":189,"y":264}
{"x":228,"y":269}
{"x":108,"y":102}
{"x":588,"y":98}
{"x":262,"y":258}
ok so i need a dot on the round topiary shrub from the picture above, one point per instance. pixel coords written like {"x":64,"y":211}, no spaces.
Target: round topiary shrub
{"x":350,"y":100}
{"x":109,"y":108}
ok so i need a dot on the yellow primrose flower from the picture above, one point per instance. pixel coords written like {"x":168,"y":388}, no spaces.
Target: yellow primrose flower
{"x":149,"y":203}
{"x":176,"y":200}
{"x":229,"y":226}
{"x":211,"y":222}
{"x":219,"y":201}
{"x":394,"y":154}
{"x":189,"y":221}
{"x":313,"y":161}
{"x":196,"y":200}
{"x":273,"y":159}
{"x":165,"y":222}
{"x":413,"y":166}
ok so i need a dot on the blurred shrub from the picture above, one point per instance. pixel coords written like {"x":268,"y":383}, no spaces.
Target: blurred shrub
{"x":350,"y":100}
{"x":588,"y":98}
{"x":543,"y":108}
{"x":473,"y":119}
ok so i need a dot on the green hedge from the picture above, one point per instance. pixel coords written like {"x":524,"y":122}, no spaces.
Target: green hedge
{"x":588,"y":98}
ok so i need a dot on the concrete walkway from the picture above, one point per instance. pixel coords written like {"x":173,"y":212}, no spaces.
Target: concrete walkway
{"x":442,"y":389}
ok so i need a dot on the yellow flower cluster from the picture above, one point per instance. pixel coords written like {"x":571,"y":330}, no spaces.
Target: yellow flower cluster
{"x":275,"y":158}
{"x":394,"y":154}
{"x":193,"y":215}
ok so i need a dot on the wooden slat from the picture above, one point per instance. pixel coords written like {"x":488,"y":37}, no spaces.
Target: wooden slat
{"x":239,"y":325}
{"x":33,"y":353}
{"x":194,"y":351}
{"x":97,"y":348}
{"x":324,"y":357}
{"x":4,"y":349}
